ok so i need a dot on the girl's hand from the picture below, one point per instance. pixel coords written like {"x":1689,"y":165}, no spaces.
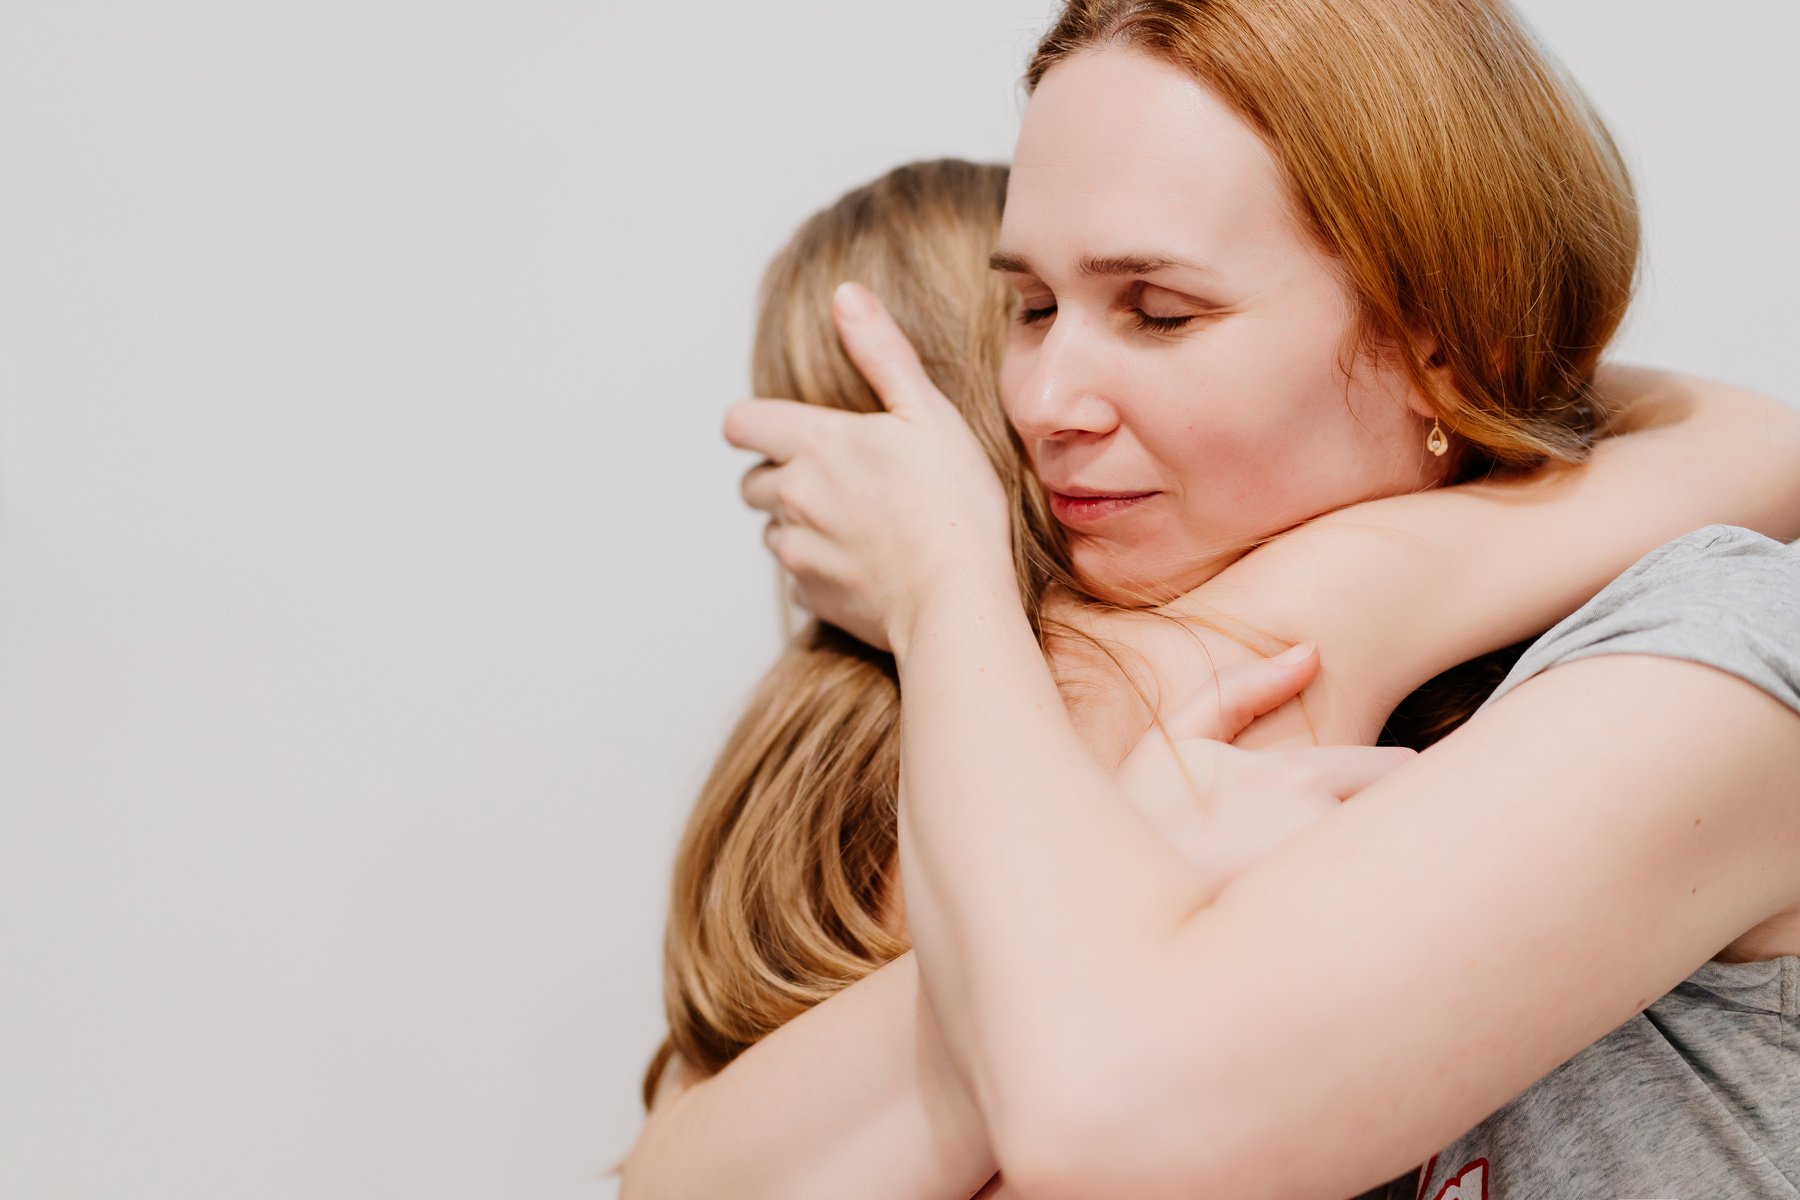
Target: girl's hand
{"x":874,"y":513}
{"x":1222,"y":808}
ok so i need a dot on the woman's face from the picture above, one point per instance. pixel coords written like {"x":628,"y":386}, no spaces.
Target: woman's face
{"x":1183,"y":371}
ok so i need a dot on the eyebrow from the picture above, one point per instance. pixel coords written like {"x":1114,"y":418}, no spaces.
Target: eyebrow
{"x":1093,"y":266}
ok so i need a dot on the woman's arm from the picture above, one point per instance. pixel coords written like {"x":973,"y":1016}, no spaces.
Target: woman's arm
{"x":1398,"y":589}
{"x":1366,"y":993}
{"x":854,"y":1097}
{"x":1370,"y":990}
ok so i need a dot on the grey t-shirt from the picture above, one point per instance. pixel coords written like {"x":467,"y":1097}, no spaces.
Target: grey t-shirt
{"x":1697,"y":1097}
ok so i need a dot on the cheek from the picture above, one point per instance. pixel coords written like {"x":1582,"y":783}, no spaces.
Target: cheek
{"x":1258,"y":437}
{"x":1278,"y":387}
{"x":1235,"y":409}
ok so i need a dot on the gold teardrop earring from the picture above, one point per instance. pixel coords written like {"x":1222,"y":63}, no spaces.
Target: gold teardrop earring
{"x":1435,"y":441}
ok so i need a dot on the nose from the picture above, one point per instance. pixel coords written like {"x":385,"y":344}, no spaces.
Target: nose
{"x":1059,"y":386}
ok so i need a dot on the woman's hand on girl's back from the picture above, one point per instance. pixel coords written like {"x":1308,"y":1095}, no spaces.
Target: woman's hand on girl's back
{"x":1222,"y":808}
{"x":875,"y":514}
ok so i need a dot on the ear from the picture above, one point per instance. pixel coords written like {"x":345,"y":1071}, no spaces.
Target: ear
{"x":1396,"y":353}
{"x":1437,"y":374}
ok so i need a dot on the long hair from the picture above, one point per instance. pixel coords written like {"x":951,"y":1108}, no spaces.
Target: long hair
{"x":1472,"y":199}
{"x":781,"y":875}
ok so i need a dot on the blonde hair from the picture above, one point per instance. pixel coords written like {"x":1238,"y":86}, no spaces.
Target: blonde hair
{"x":782,"y":871}
{"x":1471,"y":197}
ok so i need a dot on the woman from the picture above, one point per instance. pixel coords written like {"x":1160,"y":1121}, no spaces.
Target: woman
{"x":797,"y":949}
{"x":783,"y":892}
{"x":992,"y":1047}
{"x":1433,"y":1035}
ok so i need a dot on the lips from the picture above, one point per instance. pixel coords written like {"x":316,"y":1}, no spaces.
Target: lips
{"x":1085,"y":506}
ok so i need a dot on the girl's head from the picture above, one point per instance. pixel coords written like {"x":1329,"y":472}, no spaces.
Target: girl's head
{"x":783,"y":876}
{"x":1262,"y":247}
{"x":919,"y":237}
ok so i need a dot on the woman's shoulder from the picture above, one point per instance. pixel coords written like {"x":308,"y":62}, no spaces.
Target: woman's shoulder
{"x":1720,"y":595}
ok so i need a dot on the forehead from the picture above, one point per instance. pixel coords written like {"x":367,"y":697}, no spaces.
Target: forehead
{"x":1121,"y":149}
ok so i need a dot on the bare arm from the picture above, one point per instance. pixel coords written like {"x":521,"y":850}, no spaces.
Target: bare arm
{"x":1076,"y":969}
{"x":1554,"y":896}
{"x":1468,"y":569}
{"x":852,"y":1098}
{"x":856,"y":1096}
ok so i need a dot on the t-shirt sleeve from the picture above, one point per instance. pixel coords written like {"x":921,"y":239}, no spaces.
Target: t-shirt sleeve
{"x":1722,"y":596}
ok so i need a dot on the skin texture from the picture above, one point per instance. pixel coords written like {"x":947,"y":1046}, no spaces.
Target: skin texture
{"x":1247,"y":407}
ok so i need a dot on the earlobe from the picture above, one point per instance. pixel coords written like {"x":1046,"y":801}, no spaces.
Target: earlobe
{"x":1437,"y":379}
{"x":1424,"y":401}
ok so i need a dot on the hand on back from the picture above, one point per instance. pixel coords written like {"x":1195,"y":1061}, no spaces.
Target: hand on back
{"x":1222,"y":808}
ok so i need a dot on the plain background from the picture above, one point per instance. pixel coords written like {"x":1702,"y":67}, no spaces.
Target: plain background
{"x":373,"y":589}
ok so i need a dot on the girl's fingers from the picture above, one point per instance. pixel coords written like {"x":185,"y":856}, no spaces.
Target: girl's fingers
{"x":881,"y":352}
{"x":1239,"y":694}
{"x":777,"y":429}
{"x":760,"y":487}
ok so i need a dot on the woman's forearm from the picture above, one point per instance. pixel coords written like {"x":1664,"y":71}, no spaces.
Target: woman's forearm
{"x":853,"y":1098}
{"x":1366,"y":993}
{"x":1028,"y":877}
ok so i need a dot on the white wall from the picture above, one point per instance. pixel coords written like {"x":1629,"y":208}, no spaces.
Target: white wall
{"x":372,"y":584}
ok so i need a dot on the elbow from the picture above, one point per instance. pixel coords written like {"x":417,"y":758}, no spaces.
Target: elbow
{"x":1780,"y":442}
{"x":632,"y":1186}
{"x":1088,"y":1124}
{"x":1784,"y":429}
{"x":1054,"y":1150}
{"x":1069,"y":1158}
{"x":1049,"y":1113}
{"x":1757,"y":439}
{"x":637,"y":1178}
{"x":1159,"y":1110}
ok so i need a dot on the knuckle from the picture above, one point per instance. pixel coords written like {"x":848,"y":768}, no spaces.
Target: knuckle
{"x":797,"y":555}
{"x":733,"y":425}
{"x":1236,"y":712}
{"x":790,"y":561}
{"x":790,"y":500}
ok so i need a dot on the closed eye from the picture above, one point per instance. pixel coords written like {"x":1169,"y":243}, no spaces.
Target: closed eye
{"x":1155,"y":309}
{"x":1036,"y":316}
{"x":1150,"y":324}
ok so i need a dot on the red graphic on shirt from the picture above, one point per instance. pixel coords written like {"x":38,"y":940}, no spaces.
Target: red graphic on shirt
{"x":1470,"y":1183}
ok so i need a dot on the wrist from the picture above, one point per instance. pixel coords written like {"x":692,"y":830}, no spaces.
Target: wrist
{"x":960,"y":598}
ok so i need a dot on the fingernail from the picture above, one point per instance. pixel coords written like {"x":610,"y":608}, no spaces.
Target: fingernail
{"x":854,"y":301}
{"x":1294,"y":654}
